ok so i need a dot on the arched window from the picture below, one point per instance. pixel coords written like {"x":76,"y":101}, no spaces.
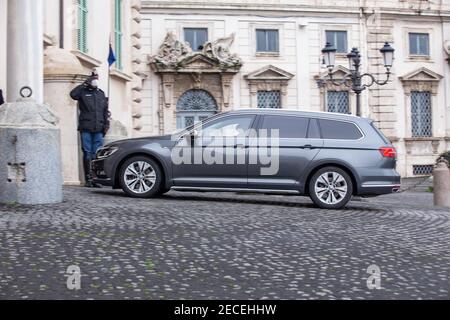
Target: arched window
{"x":193,"y":106}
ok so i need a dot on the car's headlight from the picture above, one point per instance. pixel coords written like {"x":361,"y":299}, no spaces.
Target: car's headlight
{"x":106,"y":152}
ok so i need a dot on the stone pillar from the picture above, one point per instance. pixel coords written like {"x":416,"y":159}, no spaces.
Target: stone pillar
{"x":25,"y":48}
{"x":30,"y":161}
{"x":30,"y":158}
{"x":441,"y":184}
{"x":62,"y":72}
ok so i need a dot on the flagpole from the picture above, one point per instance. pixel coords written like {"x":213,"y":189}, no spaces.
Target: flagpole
{"x":109,"y":69}
{"x":109,"y":81}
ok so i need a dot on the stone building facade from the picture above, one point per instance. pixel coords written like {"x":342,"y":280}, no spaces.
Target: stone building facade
{"x":77,"y":34}
{"x":180,"y":62}
{"x":276,"y":47}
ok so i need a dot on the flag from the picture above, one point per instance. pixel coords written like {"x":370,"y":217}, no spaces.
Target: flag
{"x":112,"y":56}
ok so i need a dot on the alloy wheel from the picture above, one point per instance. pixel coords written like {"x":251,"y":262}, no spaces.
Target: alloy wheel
{"x":140,"y":177}
{"x":331,"y":188}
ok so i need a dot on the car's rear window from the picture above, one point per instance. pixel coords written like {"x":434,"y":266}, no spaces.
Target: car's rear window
{"x":339,"y":130}
{"x":382,"y":136}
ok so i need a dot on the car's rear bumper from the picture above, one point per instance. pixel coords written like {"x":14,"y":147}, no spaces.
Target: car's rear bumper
{"x":378,"y":189}
{"x":378,"y":181}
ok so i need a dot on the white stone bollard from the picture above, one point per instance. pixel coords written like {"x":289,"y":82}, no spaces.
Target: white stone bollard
{"x":441,"y":184}
{"x":30,"y":159}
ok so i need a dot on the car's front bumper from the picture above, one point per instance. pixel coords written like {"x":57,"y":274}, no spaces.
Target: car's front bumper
{"x":101,"y":174}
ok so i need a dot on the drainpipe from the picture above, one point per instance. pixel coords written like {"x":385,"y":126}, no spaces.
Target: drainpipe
{"x":61,"y":24}
{"x":364,"y":48}
{"x":446,"y":79}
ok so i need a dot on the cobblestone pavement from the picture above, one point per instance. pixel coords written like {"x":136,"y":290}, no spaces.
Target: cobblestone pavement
{"x":226,"y":246}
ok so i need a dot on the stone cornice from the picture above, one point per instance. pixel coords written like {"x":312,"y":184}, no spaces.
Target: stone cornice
{"x":149,"y":7}
{"x":86,"y":59}
{"x":421,"y":139}
{"x":114,"y":73}
{"x":74,"y":78}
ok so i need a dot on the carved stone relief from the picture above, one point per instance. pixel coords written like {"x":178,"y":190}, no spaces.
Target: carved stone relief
{"x":182,"y":69}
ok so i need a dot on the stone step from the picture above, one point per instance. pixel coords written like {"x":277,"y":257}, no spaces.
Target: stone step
{"x":418,"y":184}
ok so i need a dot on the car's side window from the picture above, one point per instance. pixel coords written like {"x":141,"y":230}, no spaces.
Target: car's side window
{"x":286,"y":126}
{"x":313,"y":129}
{"x":228,"y":127}
{"x":339,"y":130}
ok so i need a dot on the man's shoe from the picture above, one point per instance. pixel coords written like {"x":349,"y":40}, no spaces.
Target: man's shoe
{"x":96,"y":185}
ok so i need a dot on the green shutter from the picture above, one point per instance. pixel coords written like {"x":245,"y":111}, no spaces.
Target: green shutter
{"x":82,"y":26}
{"x":118,"y":33}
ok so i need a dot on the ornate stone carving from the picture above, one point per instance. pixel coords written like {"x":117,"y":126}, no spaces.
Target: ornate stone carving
{"x":183,"y":70}
{"x":171,"y":52}
{"x":220,"y":50}
{"x":168,"y":83}
{"x":227,"y":80}
{"x":176,"y":54}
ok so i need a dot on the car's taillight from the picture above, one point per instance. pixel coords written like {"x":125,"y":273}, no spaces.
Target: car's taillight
{"x":388,"y":152}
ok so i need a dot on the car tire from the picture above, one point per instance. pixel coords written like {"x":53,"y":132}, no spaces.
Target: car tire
{"x":140,"y":177}
{"x":330,"y":188}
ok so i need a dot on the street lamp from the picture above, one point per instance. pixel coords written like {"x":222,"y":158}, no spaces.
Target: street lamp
{"x":354,"y":79}
{"x":329,"y":55}
{"x":388,"y":55}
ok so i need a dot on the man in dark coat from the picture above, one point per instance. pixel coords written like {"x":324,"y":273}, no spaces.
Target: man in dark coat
{"x":2,"y":101}
{"x":93,"y":121}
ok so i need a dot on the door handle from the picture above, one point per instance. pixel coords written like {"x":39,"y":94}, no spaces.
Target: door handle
{"x":240,"y":146}
{"x":308,"y":146}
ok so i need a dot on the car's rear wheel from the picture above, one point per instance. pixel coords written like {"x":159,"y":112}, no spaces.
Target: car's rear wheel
{"x":330,"y":188}
{"x":140,"y":177}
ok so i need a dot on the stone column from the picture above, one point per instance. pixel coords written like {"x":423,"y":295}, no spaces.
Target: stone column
{"x":25,"y":48}
{"x":441,"y":183}
{"x":62,"y":73}
{"x":30,"y":157}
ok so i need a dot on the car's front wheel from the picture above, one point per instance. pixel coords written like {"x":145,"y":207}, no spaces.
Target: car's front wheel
{"x":330,"y":188}
{"x":140,"y":177}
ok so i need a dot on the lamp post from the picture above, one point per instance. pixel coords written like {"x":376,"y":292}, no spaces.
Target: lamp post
{"x":354,"y":79}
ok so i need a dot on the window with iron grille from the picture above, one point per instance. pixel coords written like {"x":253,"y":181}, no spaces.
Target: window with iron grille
{"x":269,"y":99}
{"x":267,"y":40}
{"x":189,"y":121}
{"x":419,"y":44}
{"x":82,"y":26}
{"x":338,"y":39}
{"x":423,"y":170}
{"x":118,"y":33}
{"x":421,"y":119}
{"x":338,"y":101}
{"x":196,"y":37}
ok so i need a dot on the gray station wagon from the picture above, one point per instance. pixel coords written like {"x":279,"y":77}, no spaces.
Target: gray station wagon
{"x":327,"y":156}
